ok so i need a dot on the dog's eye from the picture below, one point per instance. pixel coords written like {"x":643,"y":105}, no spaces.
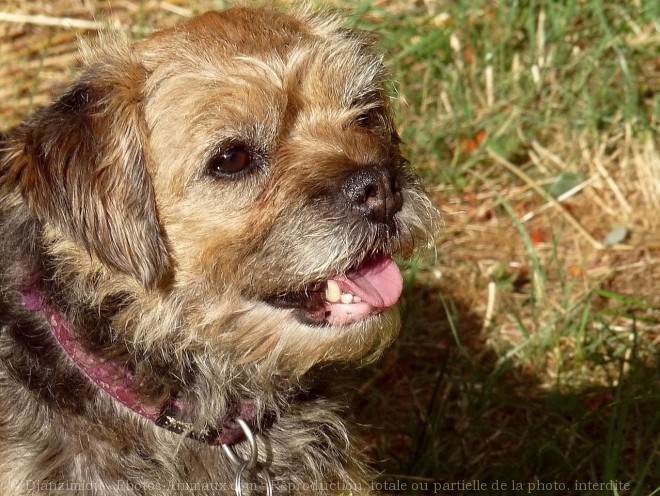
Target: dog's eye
{"x":370,"y":118}
{"x":365,"y":119}
{"x":230,"y":162}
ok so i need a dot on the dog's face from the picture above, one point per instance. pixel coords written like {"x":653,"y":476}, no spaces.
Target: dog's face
{"x":245,"y":168}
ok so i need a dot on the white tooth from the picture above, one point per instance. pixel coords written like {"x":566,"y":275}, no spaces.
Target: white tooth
{"x":332,"y":292}
{"x":347,"y":298}
{"x":356,"y":299}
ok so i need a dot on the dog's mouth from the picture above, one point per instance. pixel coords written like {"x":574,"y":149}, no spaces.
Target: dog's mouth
{"x":368,"y":289}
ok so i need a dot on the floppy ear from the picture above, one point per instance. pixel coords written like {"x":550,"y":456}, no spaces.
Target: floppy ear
{"x":80,"y":165}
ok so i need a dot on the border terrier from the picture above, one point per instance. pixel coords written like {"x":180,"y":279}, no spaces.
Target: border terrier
{"x":191,"y":234}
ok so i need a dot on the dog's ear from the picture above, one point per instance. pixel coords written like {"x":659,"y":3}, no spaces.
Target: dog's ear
{"x":80,"y":164}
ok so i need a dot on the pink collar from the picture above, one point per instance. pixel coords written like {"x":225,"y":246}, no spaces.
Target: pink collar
{"x":119,"y":383}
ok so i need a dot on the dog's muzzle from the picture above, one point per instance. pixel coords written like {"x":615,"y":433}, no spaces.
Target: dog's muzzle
{"x":374,"y":193}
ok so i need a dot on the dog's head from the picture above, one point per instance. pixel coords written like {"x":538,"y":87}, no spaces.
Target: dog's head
{"x":243,"y":167}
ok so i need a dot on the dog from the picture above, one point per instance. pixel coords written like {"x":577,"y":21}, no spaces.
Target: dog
{"x":194,"y":236}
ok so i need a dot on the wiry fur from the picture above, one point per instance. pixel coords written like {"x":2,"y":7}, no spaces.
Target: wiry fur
{"x":106,"y":206}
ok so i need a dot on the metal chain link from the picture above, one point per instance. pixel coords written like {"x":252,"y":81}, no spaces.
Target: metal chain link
{"x":250,"y":464}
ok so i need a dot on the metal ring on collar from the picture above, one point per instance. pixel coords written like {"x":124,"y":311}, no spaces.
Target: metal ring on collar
{"x":238,"y":489}
{"x":269,"y":482}
{"x":251,"y":462}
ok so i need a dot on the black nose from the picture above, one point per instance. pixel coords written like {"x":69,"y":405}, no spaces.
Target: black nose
{"x":374,"y":192}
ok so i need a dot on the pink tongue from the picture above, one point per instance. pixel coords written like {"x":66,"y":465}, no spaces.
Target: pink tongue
{"x":377,"y":282}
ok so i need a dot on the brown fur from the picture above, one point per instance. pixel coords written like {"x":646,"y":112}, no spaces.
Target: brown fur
{"x":106,"y":206}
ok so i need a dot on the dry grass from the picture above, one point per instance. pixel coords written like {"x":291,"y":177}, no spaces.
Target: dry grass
{"x":530,"y":349}
{"x":38,"y":42}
